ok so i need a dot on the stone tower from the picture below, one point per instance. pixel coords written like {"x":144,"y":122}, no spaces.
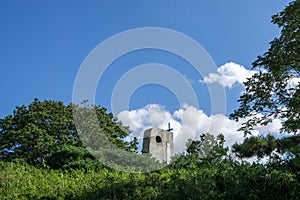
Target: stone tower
{"x":159,"y":143}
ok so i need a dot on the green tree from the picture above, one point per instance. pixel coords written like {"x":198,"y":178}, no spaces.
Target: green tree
{"x":270,"y":92}
{"x":208,"y":147}
{"x":46,"y":131}
{"x":281,"y":149}
{"x":207,"y":150}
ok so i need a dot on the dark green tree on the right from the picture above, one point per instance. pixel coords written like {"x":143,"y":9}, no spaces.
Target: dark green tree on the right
{"x":271,"y":93}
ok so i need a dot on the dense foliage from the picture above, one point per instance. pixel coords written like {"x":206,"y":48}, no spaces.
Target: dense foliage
{"x":274,"y":93}
{"x":44,"y":133}
{"x":205,"y":171}
{"x":221,"y":180}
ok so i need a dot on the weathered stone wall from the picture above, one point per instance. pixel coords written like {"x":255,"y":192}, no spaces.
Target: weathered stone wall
{"x":159,"y":143}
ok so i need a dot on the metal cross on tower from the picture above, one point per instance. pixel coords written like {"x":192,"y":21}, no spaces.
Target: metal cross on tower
{"x":169,"y":127}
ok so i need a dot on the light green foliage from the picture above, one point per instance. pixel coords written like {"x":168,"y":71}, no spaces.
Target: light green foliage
{"x":192,"y":176}
{"x":223,"y":180}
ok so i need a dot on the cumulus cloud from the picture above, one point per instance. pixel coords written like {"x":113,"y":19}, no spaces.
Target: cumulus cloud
{"x":229,"y":74}
{"x":187,"y":122}
{"x":152,"y":115}
{"x":292,"y":83}
{"x":232,"y":73}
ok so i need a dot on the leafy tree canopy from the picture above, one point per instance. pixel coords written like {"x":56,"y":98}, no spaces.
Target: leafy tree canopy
{"x":42,"y":131}
{"x":277,"y":149}
{"x":271,"y":93}
{"x":207,"y":150}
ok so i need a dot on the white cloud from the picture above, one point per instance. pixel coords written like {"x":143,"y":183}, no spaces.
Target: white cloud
{"x":293,"y":83}
{"x":188,"y":122}
{"x":152,"y":115}
{"x":229,"y":74}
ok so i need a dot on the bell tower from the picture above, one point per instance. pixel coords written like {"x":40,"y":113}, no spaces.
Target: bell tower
{"x":159,"y":144}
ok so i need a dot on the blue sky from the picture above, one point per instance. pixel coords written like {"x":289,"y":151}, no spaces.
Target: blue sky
{"x":43,"y":44}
